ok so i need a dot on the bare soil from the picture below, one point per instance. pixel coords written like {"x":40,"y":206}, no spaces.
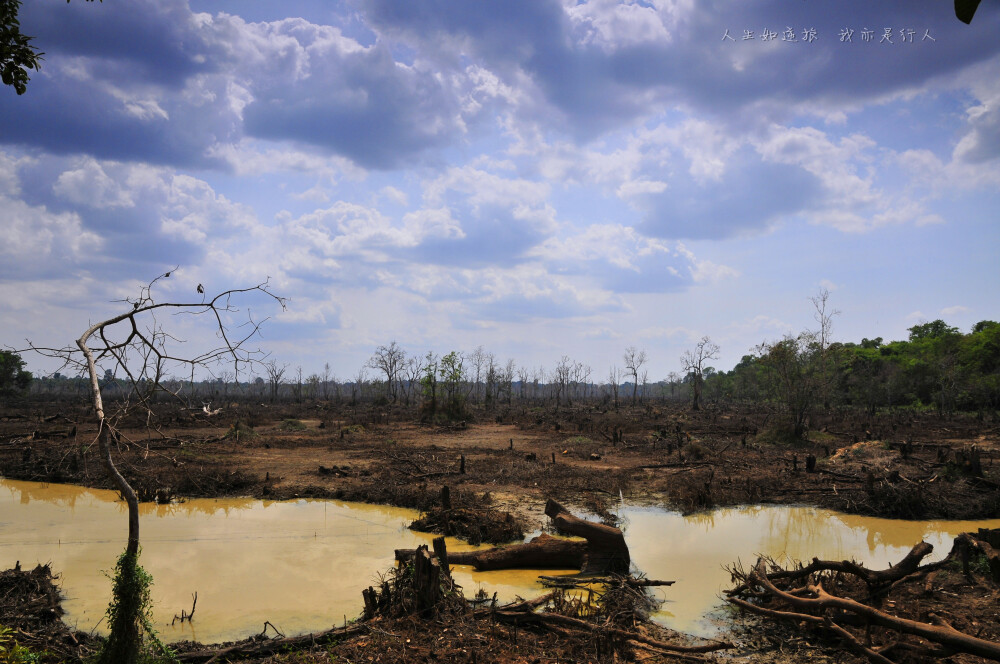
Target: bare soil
{"x":901,"y":464}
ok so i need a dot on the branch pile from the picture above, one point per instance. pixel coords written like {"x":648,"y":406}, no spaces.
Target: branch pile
{"x":852,"y":603}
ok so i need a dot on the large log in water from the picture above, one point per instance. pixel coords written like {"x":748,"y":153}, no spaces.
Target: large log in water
{"x":606,"y":547}
{"x":603,"y":552}
{"x":542,"y":552}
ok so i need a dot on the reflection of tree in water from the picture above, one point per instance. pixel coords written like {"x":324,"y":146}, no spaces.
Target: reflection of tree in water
{"x":207,"y":506}
{"x":59,"y":494}
{"x":887,"y":533}
{"x":798,"y":532}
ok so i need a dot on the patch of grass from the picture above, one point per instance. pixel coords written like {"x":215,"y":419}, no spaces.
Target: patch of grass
{"x":11,"y":652}
{"x":578,"y":440}
{"x":822,"y":437}
{"x":779,"y":435}
{"x":979,"y":565}
{"x":293,"y":425}
{"x":240,"y":430}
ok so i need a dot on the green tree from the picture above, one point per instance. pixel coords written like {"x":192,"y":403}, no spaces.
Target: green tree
{"x":933,"y":330}
{"x":13,"y":378}
{"x":451,"y":370}
{"x":794,"y":368}
{"x":17,"y":55}
{"x":429,"y":386}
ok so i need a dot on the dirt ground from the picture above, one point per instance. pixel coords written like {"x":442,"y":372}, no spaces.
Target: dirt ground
{"x":901,"y":465}
{"x":503,"y":468}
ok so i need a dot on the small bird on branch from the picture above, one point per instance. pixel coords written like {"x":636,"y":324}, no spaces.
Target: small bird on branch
{"x":201,"y":289}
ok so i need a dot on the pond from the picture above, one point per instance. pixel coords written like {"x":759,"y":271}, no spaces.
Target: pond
{"x":302,"y":564}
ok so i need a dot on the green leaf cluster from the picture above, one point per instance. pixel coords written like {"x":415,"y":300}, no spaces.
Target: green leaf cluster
{"x":132,"y":639}
{"x":17,"y":55}
{"x":13,"y":377}
{"x":11,"y":652}
{"x":938,"y":366}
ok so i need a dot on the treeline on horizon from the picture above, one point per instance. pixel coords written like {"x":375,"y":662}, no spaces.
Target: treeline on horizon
{"x":937,"y":367}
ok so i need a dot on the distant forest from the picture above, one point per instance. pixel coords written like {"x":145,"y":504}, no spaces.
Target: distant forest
{"x":937,"y":367}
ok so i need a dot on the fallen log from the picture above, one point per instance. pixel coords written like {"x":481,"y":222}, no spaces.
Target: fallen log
{"x":522,"y":617}
{"x":606,"y":547}
{"x":542,"y":552}
{"x":604,"y":550}
{"x":874,"y":579}
{"x":557,"y":581}
{"x":821,"y":601}
{"x":260,"y":648}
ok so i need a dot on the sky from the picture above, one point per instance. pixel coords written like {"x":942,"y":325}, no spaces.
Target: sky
{"x":542,"y":178}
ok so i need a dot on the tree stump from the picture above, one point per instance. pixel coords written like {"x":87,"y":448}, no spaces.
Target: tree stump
{"x":426,"y":580}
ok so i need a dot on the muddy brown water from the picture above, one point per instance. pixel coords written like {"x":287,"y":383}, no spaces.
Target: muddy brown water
{"x":302,"y":564}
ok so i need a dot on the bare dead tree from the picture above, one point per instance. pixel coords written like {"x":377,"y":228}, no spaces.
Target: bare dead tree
{"x":560,"y":378}
{"x":412,"y":372}
{"x":614,"y":381}
{"x":507,"y":380}
{"x":389,"y":360}
{"x":693,"y":363}
{"x":634,"y":359}
{"x":523,"y":376}
{"x":136,"y":344}
{"x":823,"y":317}
{"x":477,"y":361}
{"x":325,"y":378}
{"x":275,"y":376}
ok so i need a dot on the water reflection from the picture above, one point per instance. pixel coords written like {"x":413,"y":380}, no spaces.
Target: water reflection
{"x":694,"y":549}
{"x":302,"y":564}
{"x":299,"y":564}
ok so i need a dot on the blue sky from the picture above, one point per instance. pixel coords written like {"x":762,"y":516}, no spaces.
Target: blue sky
{"x":539,"y":177}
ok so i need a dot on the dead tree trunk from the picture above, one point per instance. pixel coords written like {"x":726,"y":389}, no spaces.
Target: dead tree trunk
{"x":103,"y":436}
{"x":542,"y":552}
{"x":426,"y":580}
{"x":606,"y":547}
{"x":603,"y":552}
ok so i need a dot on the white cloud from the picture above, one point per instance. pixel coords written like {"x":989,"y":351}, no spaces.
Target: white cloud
{"x":89,"y":185}
{"x":611,"y":24}
{"x":981,"y":143}
{"x":955,"y":310}
{"x":9,"y":182}
{"x":394,"y":195}
{"x":677,"y":332}
{"x":40,"y":243}
{"x":705,"y":271}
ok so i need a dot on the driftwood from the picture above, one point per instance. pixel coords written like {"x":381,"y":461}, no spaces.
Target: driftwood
{"x":946,"y":636}
{"x":606,"y":547}
{"x":555,"y":619}
{"x":574,"y":582}
{"x":874,"y":579}
{"x":542,"y":552}
{"x":811,"y":603}
{"x":259,"y":648}
{"x":184,"y":614}
{"x":604,"y":550}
